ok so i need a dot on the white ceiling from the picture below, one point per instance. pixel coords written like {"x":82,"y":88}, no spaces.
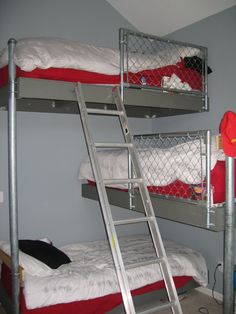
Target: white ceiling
{"x":161,"y":17}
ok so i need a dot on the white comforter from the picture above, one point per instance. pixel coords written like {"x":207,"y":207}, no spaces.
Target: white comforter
{"x":160,"y":166}
{"x":91,"y":273}
{"x":43,"y":53}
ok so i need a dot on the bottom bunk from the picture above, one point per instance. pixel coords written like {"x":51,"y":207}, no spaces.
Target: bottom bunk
{"x":88,"y":284}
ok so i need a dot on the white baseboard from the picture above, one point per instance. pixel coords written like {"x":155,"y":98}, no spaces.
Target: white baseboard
{"x":208,"y":292}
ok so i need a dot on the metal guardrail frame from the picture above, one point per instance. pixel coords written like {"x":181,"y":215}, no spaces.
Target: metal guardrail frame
{"x":202,"y":135}
{"x":124,"y":39}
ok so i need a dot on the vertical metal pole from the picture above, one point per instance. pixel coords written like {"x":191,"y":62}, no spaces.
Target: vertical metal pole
{"x":12,"y":178}
{"x":122,"y":56}
{"x":130,"y":185}
{"x":208,"y":177}
{"x":229,"y":239}
{"x":206,"y":105}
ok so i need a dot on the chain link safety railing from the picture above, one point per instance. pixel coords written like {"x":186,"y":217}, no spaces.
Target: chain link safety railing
{"x":174,"y":165}
{"x":155,"y":62}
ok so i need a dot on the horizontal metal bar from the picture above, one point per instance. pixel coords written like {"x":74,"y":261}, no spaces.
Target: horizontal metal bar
{"x":158,"y":308}
{"x":132,"y":221}
{"x":139,"y":103}
{"x":122,"y":181}
{"x":157,"y":38}
{"x":140,"y":264}
{"x":200,"y":133}
{"x":113,"y":145}
{"x":167,"y":90}
{"x":105,"y":112}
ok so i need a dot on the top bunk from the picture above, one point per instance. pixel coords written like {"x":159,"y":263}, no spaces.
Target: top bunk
{"x":157,"y":77}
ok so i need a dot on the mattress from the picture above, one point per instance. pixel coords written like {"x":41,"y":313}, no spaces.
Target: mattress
{"x":66,"y":60}
{"x":91,"y":274}
{"x":99,"y":305}
{"x":179,"y":171}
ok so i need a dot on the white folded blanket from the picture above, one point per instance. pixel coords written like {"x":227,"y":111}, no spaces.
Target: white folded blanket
{"x":43,"y":53}
{"x":160,"y":166}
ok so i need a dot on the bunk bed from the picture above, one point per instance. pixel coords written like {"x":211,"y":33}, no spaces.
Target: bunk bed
{"x":157,"y":77}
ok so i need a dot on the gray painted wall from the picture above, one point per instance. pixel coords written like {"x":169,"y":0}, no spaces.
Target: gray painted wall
{"x":51,"y":146}
{"x":218,"y":34}
{"x":93,"y":22}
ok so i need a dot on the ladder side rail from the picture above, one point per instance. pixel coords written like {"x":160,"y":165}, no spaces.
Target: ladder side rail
{"x":153,"y":226}
{"x":112,"y":235}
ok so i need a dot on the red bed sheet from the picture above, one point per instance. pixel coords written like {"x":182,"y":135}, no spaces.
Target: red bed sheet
{"x":99,"y":305}
{"x":152,"y":77}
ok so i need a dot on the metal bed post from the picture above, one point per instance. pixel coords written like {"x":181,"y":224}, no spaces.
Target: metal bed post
{"x":229,"y":239}
{"x":12,"y":178}
{"x":130,"y":185}
{"x":208,"y":178}
{"x":205,"y":81}
{"x":122,"y":54}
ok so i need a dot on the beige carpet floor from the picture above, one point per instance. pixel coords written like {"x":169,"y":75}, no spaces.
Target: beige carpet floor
{"x":196,"y":302}
{"x":191,"y":303}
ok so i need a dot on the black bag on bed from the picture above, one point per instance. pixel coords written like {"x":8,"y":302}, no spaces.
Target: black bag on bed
{"x":45,"y":252}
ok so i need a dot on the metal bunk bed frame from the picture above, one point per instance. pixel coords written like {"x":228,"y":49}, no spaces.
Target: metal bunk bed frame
{"x":58,"y":97}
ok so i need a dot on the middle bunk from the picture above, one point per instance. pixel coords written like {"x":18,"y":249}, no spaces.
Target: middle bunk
{"x":185,"y":174}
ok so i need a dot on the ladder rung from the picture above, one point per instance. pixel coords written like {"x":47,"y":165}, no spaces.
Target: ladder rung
{"x":122,"y":181}
{"x":113,"y":145}
{"x":146,"y":263}
{"x":157,"y":308}
{"x":132,"y":221}
{"x":105,"y":112}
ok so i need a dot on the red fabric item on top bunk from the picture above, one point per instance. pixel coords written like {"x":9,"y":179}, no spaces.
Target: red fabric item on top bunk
{"x":58,"y":74}
{"x":95,"y":306}
{"x":152,"y":77}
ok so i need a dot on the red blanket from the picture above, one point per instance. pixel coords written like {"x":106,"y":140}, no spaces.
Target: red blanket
{"x":152,"y":77}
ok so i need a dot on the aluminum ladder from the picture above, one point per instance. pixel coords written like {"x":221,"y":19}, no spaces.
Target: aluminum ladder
{"x":150,"y":219}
